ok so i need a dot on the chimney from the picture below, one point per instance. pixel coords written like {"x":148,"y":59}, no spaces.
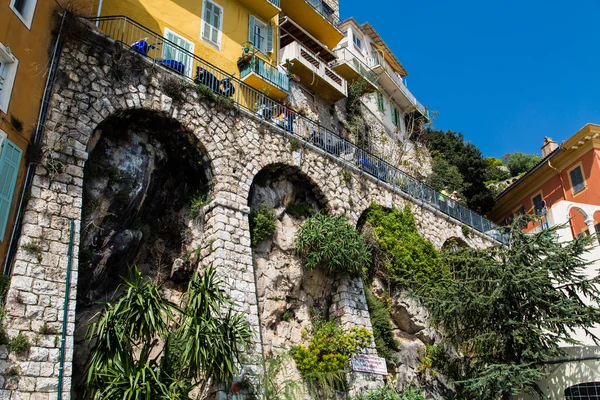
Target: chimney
{"x":549,"y":146}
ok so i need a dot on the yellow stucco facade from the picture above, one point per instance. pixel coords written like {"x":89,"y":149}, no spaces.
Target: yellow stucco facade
{"x":184,"y":17}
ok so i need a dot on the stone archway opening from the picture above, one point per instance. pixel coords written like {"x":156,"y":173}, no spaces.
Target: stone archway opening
{"x":289,"y":296}
{"x":145,"y":182}
{"x":577,"y":220}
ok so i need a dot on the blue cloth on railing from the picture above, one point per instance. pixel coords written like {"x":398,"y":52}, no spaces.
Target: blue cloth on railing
{"x":141,"y":46}
{"x":174,"y":65}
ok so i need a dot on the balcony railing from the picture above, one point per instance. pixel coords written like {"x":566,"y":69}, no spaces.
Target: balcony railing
{"x":402,"y":86}
{"x":265,"y":71}
{"x":276,"y":3}
{"x":127,"y":32}
{"x":296,"y":51}
{"x":346,"y":56}
{"x":323,"y":10}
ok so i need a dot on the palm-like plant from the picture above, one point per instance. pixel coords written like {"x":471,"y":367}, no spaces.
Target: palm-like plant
{"x":202,"y":342}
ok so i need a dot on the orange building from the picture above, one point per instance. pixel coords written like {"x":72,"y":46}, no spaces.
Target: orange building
{"x":569,"y":172}
{"x":25,"y":49}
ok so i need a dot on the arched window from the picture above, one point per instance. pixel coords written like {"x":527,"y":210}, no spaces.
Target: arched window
{"x":583,"y":391}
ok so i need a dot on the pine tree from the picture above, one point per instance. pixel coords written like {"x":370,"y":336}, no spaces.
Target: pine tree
{"x":509,"y":309}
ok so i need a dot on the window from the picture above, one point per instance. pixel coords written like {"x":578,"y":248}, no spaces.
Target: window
{"x":597,"y":226}
{"x":583,"y":391}
{"x":24,"y":9}
{"x":261,"y":35}
{"x":212,"y":24}
{"x":328,"y":12}
{"x":577,"y":179}
{"x":375,"y":56}
{"x":396,"y":117}
{"x":174,"y":57}
{"x":8,"y":72}
{"x":357,"y":41}
{"x":538,"y":206}
{"x":380,"y":102}
{"x":9,"y":167}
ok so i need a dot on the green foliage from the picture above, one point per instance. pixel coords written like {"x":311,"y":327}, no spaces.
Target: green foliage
{"x":221,"y":103}
{"x":330,"y":242}
{"x":299,"y":209}
{"x":262,"y":224}
{"x":466,"y":231}
{"x":19,"y":344}
{"x":509,"y":309}
{"x":48,"y":330}
{"x":197,"y":203}
{"x":276,"y":383}
{"x":390,"y":393}
{"x":494,"y":162}
{"x":467,"y":158}
{"x":287,"y":316}
{"x":294,"y":144}
{"x":383,"y":331}
{"x":347,"y":176}
{"x":434,"y":360}
{"x":409,"y":259}
{"x":495,"y":174}
{"x":518,"y":163}
{"x":323,"y":362}
{"x":3,"y":335}
{"x":202,"y":343}
{"x":33,"y":248}
{"x":4,"y":286}
{"x":445,"y":177}
{"x":174,"y":88}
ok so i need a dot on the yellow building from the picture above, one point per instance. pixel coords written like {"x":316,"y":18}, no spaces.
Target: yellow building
{"x":25,"y":38}
{"x":216,"y":31}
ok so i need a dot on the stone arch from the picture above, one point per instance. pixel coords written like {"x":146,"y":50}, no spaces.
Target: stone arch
{"x":145,"y":182}
{"x":578,"y":218}
{"x":454,"y":243}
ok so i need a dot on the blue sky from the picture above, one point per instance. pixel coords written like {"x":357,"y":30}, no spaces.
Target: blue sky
{"x":505,"y":73}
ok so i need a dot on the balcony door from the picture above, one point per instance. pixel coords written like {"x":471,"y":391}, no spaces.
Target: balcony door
{"x":175,"y":51}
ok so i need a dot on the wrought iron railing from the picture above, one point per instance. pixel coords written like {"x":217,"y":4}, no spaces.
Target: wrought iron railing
{"x":267,"y":72}
{"x":128,"y":32}
{"x":323,"y":9}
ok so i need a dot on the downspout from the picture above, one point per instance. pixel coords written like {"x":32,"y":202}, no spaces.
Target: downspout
{"x":61,"y":365}
{"x":99,"y":12}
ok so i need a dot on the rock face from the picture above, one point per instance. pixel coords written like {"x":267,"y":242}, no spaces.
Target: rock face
{"x":136,"y":212}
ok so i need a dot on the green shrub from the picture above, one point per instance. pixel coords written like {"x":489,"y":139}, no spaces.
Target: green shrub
{"x":390,"y":393}
{"x":199,"y":201}
{"x":410,"y":259}
{"x":383,"y":331}
{"x":19,"y":344}
{"x":4,"y":285}
{"x":33,"y":248}
{"x":331,"y":242}
{"x":294,"y":144}
{"x":434,"y":360}
{"x":262,"y":224}
{"x":16,"y":123}
{"x":299,"y":209}
{"x":323,"y":362}
{"x":3,"y":335}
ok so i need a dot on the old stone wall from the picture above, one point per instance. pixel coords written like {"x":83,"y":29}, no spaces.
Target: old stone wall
{"x":236,"y":145}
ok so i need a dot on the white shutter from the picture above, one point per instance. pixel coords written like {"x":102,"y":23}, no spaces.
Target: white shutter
{"x":252,"y":29}
{"x":212,"y":23}
{"x":270,"y":39}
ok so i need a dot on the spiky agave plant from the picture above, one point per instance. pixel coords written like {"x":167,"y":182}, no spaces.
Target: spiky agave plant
{"x":202,"y":342}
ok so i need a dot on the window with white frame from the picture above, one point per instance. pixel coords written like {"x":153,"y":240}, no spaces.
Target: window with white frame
{"x":8,"y":72}
{"x":178,"y":59}
{"x":260,"y":34}
{"x":24,"y":10}
{"x":212,"y":23}
{"x":357,"y":40}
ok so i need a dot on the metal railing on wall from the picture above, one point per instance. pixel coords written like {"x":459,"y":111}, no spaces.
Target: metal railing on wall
{"x":152,"y":45}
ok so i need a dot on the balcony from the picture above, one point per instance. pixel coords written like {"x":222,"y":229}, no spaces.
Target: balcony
{"x":353,"y":69}
{"x":264,"y":78}
{"x":393,"y":84}
{"x":316,"y":18}
{"x":265,"y":9}
{"x":314,"y":73}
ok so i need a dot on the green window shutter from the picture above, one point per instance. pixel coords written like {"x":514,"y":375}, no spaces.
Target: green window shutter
{"x":380,"y":103}
{"x":9,"y":167}
{"x":394,"y":115}
{"x":270,"y":39}
{"x":251,"y":29}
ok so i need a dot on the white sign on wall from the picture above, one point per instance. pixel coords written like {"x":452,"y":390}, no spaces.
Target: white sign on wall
{"x":370,"y":364}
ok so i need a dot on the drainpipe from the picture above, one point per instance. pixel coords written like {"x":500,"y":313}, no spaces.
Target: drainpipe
{"x":61,"y":365}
